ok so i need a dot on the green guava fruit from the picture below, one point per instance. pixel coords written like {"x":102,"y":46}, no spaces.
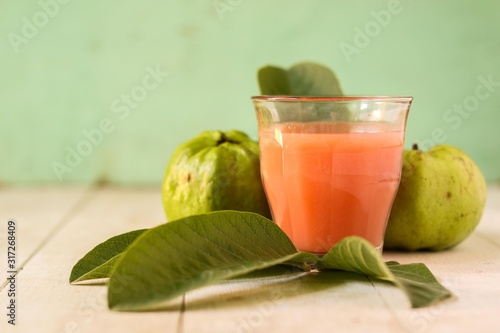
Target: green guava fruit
{"x":439,"y":202}
{"x":214,"y":171}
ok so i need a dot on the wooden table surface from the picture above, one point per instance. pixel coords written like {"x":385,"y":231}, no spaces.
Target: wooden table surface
{"x":57,"y":226}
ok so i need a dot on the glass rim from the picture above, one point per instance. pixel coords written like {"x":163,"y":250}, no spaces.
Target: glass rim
{"x":285,"y":98}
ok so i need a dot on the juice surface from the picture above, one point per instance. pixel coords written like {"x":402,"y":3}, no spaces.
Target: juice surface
{"x":324,"y":182}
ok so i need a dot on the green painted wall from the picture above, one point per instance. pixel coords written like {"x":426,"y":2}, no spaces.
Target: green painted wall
{"x":66,"y":68}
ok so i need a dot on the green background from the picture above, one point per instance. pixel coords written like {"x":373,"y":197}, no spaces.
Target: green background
{"x":69,"y":72}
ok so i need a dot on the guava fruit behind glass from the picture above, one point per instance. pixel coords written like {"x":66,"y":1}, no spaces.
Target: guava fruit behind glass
{"x":439,"y":202}
{"x":214,"y":171}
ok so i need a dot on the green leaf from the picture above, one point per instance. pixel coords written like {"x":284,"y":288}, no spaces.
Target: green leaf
{"x":304,"y":79}
{"x":419,"y":284}
{"x":354,"y":254}
{"x":98,"y":263}
{"x":188,"y":253}
{"x":149,"y":267}
{"x":273,"y":81}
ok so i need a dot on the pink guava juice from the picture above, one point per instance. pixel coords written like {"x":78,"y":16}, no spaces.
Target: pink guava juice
{"x":325,"y":182}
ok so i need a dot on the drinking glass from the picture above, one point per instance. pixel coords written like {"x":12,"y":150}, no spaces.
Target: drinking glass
{"x":331,"y":166}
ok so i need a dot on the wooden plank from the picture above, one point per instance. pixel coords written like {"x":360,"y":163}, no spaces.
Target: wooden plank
{"x":310,"y":302}
{"x":357,"y":306}
{"x":489,"y":227}
{"x":46,"y":301}
{"x":37,"y":213}
{"x":471,"y":271}
{"x":319,"y":302}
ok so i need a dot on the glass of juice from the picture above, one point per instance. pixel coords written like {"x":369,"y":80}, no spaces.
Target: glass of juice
{"x":331,"y":166}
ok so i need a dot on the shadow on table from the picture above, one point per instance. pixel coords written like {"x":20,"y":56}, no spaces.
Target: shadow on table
{"x":272,"y":284}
